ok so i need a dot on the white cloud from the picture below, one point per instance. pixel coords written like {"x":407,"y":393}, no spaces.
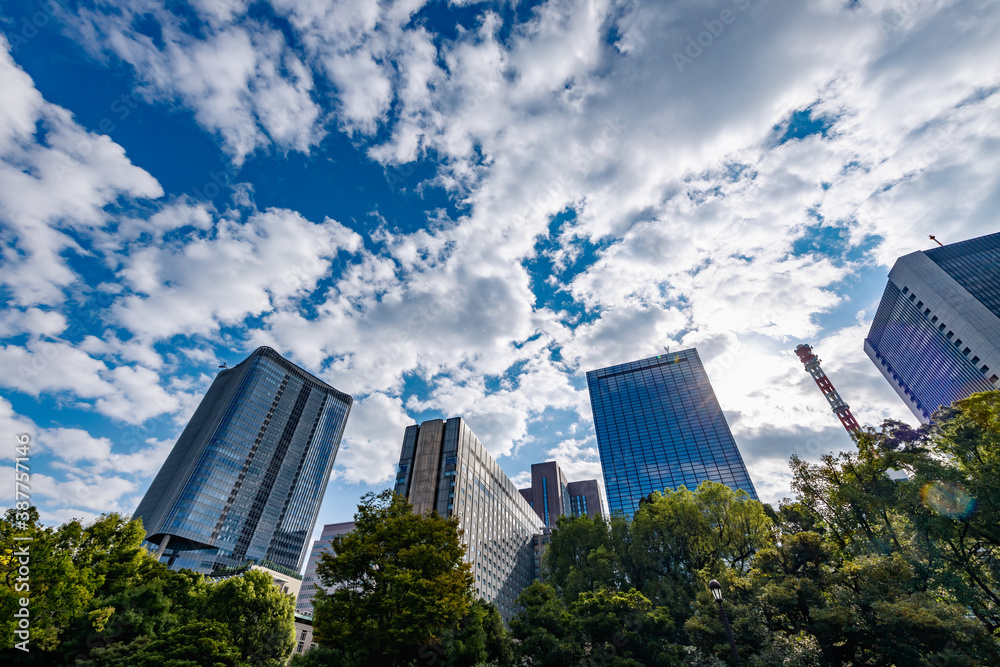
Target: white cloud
{"x":54,"y":177}
{"x":686,"y":220}
{"x":242,"y":80}
{"x":97,"y":494}
{"x":15,"y":424}
{"x":201,"y":282}
{"x":131,"y":394}
{"x":372,"y":440}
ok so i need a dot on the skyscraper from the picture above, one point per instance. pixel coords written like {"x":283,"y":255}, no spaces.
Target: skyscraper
{"x":245,"y":479}
{"x":936,"y":334}
{"x":551,"y":495}
{"x":659,"y":426}
{"x":444,"y":467}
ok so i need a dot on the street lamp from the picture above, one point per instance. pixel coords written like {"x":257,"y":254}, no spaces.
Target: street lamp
{"x":716,"y":589}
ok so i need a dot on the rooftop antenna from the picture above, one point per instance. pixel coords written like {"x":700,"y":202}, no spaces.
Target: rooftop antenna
{"x":840,"y":408}
{"x":934,"y":238}
{"x":223,"y":365}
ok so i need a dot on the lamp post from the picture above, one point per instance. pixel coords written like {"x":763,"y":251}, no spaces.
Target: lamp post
{"x":716,"y":589}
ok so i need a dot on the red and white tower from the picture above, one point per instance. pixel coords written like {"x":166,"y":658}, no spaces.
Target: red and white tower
{"x":840,"y":408}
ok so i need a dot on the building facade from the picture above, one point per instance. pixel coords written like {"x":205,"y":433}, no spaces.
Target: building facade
{"x":245,"y":479}
{"x":310,"y":582}
{"x":659,"y":426}
{"x":936,"y":334}
{"x":551,"y":495}
{"x":585,"y":499}
{"x":445,"y":468}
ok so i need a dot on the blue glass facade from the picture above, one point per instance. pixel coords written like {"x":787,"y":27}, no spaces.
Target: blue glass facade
{"x":936,"y":334}
{"x":659,"y":426}
{"x":975,"y":265}
{"x":246,"y":477}
{"x":922,"y":360}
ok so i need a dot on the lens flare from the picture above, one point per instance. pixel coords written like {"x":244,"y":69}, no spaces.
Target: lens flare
{"x":948,"y":499}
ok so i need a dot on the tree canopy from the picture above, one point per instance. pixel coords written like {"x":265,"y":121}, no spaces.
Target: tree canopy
{"x":400,"y":585}
{"x":890,"y":555}
{"x":98,"y":598}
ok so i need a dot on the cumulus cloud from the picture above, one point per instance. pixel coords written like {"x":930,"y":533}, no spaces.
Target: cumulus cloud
{"x":200,"y":282}
{"x":241,"y":79}
{"x":372,"y":439}
{"x":55,"y":177}
{"x":616,"y":190}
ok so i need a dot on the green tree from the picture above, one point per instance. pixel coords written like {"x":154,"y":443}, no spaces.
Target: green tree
{"x":546,"y":634}
{"x":82,"y":579}
{"x":202,"y":643}
{"x":480,"y":638}
{"x":581,"y":556}
{"x":623,"y":628}
{"x":499,"y":649}
{"x":943,"y":519}
{"x":259,"y":617}
{"x":682,"y":538}
{"x":606,"y":627}
{"x":400,"y":583}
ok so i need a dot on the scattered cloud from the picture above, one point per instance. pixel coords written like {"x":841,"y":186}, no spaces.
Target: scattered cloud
{"x":619,"y":177}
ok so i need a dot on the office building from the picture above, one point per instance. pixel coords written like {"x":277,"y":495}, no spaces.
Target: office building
{"x":585,"y":499}
{"x":659,"y":426}
{"x":445,"y":468}
{"x":936,"y":334}
{"x":551,"y":495}
{"x":245,"y":479}
{"x":310,"y":582}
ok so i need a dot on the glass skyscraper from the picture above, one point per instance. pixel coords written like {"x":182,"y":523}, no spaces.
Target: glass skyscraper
{"x":659,"y":426}
{"x":245,"y":479}
{"x":936,"y":334}
{"x":445,"y":468}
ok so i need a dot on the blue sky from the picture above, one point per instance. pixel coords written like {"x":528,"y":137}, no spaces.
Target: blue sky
{"x":458,"y":208}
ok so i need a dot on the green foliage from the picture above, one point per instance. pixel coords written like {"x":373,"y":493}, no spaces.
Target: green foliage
{"x":889,"y":556}
{"x":401,"y":584}
{"x":260,"y":617}
{"x":683,"y":538}
{"x":623,"y":628}
{"x":544,"y":629}
{"x":85,"y":585}
{"x":195,"y":644}
{"x":601,"y":627}
{"x":581,"y":557}
{"x":499,"y":649}
{"x":99,"y":598}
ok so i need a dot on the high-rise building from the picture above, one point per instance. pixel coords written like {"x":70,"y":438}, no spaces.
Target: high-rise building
{"x":310,"y":582}
{"x":585,"y":499}
{"x":936,"y":334}
{"x":659,"y":426}
{"x":245,"y":479}
{"x":445,"y":468}
{"x":551,"y":496}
